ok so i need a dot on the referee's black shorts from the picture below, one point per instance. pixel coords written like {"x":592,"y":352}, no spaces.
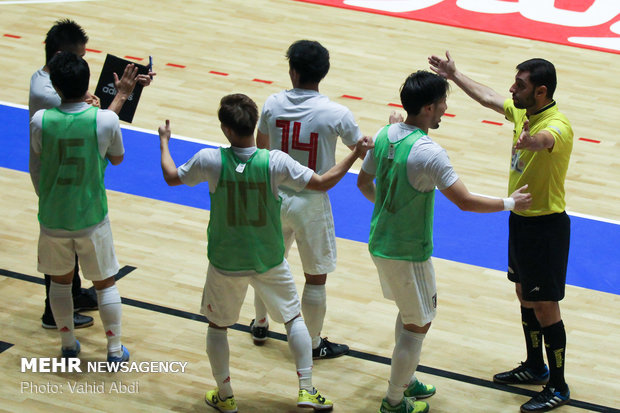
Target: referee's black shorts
{"x":538,"y":255}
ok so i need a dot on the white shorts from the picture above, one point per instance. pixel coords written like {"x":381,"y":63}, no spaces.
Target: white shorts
{"x":95,"y":252}
{"x":412,"y":286}
{"x":307,"y":219}
{"x":223,"y":295}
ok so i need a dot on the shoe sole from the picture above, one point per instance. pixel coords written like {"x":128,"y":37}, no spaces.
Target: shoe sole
{"x":546,"y":410}
{"x":309,"y":405}
{"x":259,"y":341}
{"x":422,"y":396}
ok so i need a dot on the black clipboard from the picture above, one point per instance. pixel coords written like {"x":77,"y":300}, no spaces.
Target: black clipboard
{"x":106,"y":91}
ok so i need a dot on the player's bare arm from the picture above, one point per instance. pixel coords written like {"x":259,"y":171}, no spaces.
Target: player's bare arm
{"x":366,"y":184}
{"x":482,"y":94}
{"x":466,"y":201}
{"x":115,"y":159}
{"x":169,"y":169}
{"x":537,"y":142}
{"x":330,"y":178}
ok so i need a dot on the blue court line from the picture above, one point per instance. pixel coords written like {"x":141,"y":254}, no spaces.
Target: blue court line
{"x":476,"y":239}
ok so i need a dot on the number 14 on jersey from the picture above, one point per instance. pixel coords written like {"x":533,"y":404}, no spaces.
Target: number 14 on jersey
{"x":310,"y":147}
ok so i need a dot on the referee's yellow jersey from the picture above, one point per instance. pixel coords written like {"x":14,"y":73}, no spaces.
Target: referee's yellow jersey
{"x":543,"y":171}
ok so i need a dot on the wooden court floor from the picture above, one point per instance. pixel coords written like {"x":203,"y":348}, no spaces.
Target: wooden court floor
{"x":477,"y":329}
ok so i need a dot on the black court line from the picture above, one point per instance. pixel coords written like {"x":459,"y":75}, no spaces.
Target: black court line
{"x":38,"y":280}
{"x":5,"y":346}
{"x":353,"y":353}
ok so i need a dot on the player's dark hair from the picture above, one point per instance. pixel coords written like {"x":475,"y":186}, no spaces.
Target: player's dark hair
{"x":542,"y":73}
{"x":238,"y":112}
{"x":310,"y":59}
{"x":70,"y":74}
{"x":64,"y":36}
{"x":420,"y":89}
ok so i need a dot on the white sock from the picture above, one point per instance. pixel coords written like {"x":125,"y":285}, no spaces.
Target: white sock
{"x":61,"y":302}
{"x":313,"y":307}
{"x":110,"y":310}
{"x":261,"y":319}
{"x":219,"y":357}
{"x":405,"y":359}
{"x":398,"y":328}
{"x":300,"y":345}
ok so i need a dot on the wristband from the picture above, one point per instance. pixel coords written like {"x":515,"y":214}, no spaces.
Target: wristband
{"x":509,"y":204}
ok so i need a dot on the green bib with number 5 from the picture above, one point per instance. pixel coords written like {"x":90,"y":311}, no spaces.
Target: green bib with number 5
{"x":71,"y":189}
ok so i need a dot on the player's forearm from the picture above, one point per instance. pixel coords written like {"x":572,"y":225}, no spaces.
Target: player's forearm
{"x":330,"y":178}
{"x":368,"y":190}
{"x":169,"y":169}
{"x":117,"y":104}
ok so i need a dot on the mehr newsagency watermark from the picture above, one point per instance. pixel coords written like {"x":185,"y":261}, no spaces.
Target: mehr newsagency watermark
{"x":75,"y":365}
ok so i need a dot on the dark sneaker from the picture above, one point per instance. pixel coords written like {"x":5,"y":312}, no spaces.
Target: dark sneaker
{"x":259,"y":334}
{"x":548,"y":399}
{"x":68,"y":352}
{"x":522,"y":375}
{"x":86,"y":300}
{"x":329,"y":350}
{"x":79,"y":321}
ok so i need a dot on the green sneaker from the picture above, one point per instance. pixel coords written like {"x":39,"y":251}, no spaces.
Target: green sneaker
{"x":226,"y":406}
{"x":406,"y":405}
{"x":420,"y":390}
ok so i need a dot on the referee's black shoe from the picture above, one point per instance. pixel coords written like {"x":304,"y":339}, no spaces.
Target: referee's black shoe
{"x":523,"y":375}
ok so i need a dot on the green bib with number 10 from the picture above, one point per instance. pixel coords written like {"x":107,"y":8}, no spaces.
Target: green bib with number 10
{"x":401,"y":227}
{"x":71,"y":188}
{"x":245,"y":231}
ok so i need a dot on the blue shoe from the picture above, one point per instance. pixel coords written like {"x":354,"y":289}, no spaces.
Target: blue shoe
{"x":124,"y":357}
{"x":68,"y":353}
{"x":546,"y":400}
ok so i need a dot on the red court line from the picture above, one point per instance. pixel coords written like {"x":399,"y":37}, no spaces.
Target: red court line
{"x":490,"y":122}
{"x":93,"y":50}
{"x":13,"y":36}
{"x":589,"y":140}
{"x":134,"y":58}
{"x":175,"y":65}
{"x":218,"y":73}
{"x":262,"y":81}
{"x":351,"y":97}
{"x":450,"y":115}
{"x":395,"y":105}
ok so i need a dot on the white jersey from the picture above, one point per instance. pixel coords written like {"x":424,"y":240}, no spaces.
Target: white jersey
{"x":42,"y":96}
{"x":206,"y":166}
{"x":42,"y":93}
{"x":306,"y":125}
{"x":428,"y":165}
